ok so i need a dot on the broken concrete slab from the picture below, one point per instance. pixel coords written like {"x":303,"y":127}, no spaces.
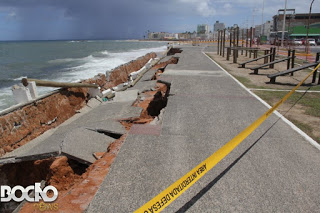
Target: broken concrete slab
{"x":142,"y":86}
{"x":17,"y":159}
{"x":76,"y":143}
{"x":93,"y":103}
{"x":29,"y":146}
{"x":80,"y":144}
{"x":107,"y":125}
{"x":104,"y":117}
{"x":149,"y":75}
{"x":110,"y":110}
{"x":126,"y":96}
{"x":167,"y":58}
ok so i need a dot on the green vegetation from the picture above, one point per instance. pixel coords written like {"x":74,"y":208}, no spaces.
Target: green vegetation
{"x":311,"y":101}
{"x":315,"y":88}
{"x":306,"y":128}
{"x":248,"y":83}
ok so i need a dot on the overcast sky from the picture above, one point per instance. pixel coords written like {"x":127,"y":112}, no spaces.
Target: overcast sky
{"x":122,"y":19}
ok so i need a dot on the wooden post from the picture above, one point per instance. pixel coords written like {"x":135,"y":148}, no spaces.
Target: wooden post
{"x":221,"y":42}
{"x":56,"y":84}
{"x":247,"y":42}
{"x":288,"y":62}
{"x":273,"y":57}
{"x":242,"y":32}
{"x":224,"y":41}
{"x":234,"y":37}
{"x":250,"y":52}
{"x":315,"y":72}
{"x":238,"y":36}
{"x":230,"y":37}
{"x":265,"y":58}
{"x":234,"y":56}
{"x":270,"y":57}
{"x":228,"y":53}
{"x":293,"y":58}
{"x":218,"y":42}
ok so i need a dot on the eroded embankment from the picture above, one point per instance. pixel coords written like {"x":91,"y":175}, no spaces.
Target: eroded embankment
{"x":21,"y":126}
{"x":76,"y":182}
{"x":77,"y":195}
{"x":60,"y":172}
{"x":120,"y":74}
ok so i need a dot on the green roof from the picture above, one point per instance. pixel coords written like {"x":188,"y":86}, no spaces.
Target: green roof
{"x":305,"y":34}
{"x":302,"y":30}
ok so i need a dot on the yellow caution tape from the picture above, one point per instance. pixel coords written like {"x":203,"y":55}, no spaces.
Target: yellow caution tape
{"x":171,"y":193}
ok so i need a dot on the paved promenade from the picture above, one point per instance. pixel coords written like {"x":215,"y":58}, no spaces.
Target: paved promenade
{"x":273,"y":170}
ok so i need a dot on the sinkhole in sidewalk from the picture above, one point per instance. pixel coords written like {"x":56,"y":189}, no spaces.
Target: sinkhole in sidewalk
{"x":60,"y":172}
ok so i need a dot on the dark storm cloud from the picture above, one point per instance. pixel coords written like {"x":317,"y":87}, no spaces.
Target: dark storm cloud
{"x":50,"y":19}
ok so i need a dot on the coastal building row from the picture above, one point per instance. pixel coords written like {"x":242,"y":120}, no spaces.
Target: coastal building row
{"x":295,"y":27}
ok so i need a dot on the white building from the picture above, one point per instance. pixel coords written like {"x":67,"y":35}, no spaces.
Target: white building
{"x":203,"y":29}
{"x":267,"y":28}
{"x":218,"y":26}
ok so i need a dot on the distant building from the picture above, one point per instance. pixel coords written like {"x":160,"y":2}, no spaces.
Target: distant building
{"x":257,"y":31}
{"x":169,"y":36}
{"x":156,"y":35}
{"x":203,"y":29}
{"x":162,"y":35}
{"x":267,"y":28}
{"x":218,"y":26}
{"x":294,"y":20}
{"x":185,"y":36}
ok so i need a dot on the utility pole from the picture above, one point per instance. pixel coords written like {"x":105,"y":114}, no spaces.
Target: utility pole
{"x":262,"y":20}
{"x":307,"y":42}
{"x":284,"y":23}
{"x":253,"y":27}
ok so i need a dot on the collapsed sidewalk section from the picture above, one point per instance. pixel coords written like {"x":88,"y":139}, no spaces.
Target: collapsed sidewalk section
{"x":67,"y":155}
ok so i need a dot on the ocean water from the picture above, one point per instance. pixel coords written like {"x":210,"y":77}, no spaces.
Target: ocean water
{"x":64,"y":61}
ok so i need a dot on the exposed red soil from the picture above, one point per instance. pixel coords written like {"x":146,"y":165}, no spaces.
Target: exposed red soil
{"x":120,"y":74}
{"x":173,"y":60}
{"x":152,"y":103}
{"x":58,"y":172}
{"x":55,"y":171}
{"x":174,"y":51}
{"x":79,"y":196}
{"x":161,"y":66}
{"x":39,"y":168}
{"x":62,"y":176}
{"x":23,"y":125}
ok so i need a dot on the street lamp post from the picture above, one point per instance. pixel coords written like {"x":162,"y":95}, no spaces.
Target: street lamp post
{"x":307,"y":42}
{"x":262,"y":24}
{"x":284,"y":23}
